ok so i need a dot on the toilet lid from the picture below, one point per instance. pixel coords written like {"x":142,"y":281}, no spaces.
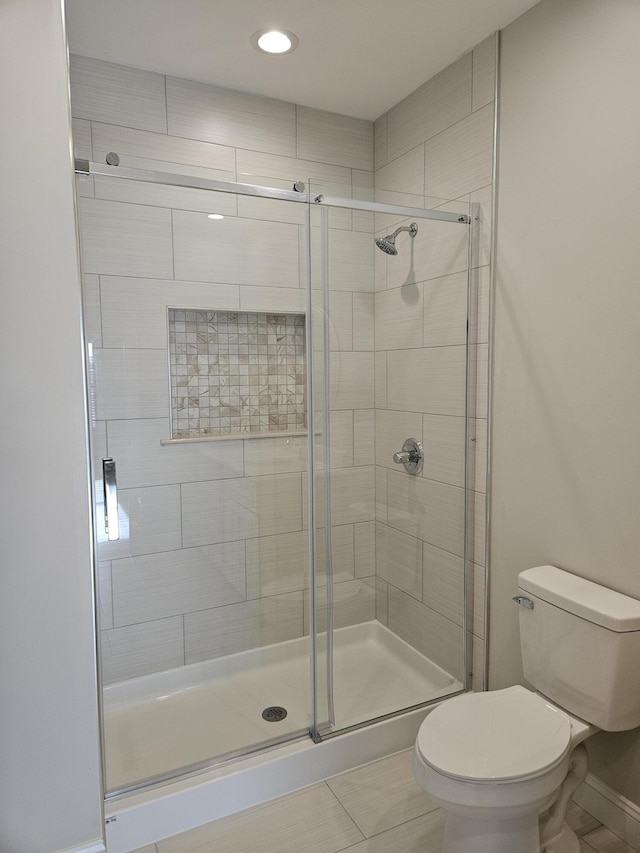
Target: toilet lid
{"x":494,"y":736}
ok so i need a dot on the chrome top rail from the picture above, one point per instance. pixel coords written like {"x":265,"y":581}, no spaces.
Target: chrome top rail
{"x":85,"y":167}
{"x":378,"y":207}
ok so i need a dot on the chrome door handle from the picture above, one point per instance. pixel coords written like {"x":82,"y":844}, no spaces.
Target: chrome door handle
{"x":411,"y":456}
{"x":111,"y":523}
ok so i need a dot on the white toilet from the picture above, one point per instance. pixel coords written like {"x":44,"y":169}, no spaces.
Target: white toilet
{"x":504,"y":764}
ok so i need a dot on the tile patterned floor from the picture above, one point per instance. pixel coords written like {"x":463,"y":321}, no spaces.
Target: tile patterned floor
{"x":373,"y":809}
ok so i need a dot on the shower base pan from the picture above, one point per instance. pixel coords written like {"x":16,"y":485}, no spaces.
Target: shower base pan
{"x":157,"y":724}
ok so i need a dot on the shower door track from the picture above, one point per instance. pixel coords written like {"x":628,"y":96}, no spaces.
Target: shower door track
{"x":90,"y":169}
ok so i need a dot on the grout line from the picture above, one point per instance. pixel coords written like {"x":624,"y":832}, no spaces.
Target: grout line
{"x":347,"y":812}
{"x":173,"y":248}
{"x":246,"y":574}
{"x":352,"y":323}
{"x":166,"y":105}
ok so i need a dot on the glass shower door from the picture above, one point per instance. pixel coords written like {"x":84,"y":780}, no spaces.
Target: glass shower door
{"x":196,"y":324}
{"x":396,"y":356}
{"x":266,"y":569}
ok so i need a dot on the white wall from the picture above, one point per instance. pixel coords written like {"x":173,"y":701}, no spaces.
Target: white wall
{"x":566,"y":408}
{"x":49,"y":776}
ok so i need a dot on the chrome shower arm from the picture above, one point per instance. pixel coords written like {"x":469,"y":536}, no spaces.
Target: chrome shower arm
{"x":412,"y":229}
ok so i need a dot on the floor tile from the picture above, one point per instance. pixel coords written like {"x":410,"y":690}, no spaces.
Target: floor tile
{"x":381,"y":795}
{"x":603,"y":840}
{"x":581,"y":821}
{"x":377,"y":808}
{"x":311,"y":820}
{"x":420,"y":835}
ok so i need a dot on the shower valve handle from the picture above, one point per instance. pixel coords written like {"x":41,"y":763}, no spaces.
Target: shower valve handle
{"x":411,"y":456}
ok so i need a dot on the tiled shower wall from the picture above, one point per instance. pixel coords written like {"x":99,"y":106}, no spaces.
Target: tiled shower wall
{"x":438,"y":142}
{"x":213,"y":557}
{"x":147,"y":247}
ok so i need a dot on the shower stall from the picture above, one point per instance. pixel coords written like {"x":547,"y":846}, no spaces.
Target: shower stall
{"x":282,"y":424}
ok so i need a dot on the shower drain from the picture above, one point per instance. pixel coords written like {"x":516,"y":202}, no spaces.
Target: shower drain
{"x":274,"y":714}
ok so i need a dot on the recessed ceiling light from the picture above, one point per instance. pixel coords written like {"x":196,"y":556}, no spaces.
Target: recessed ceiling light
{"x":215,"y":216}
{"x":274,"y":41}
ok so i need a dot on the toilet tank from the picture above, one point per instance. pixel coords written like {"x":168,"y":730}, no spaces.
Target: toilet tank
{"x":581,"y":646}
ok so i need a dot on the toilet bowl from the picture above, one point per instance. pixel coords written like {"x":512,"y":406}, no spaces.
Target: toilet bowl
{"x":495,"y":762}
{"x":504,"y":765}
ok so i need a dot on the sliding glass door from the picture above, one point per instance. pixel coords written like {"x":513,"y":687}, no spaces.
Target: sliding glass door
{"x":265,"y":569}
{"x":396,"y":305}
{"x":196,"y":307}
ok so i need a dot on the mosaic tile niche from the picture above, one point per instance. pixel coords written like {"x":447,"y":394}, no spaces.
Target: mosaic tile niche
{"x":236,"y":373}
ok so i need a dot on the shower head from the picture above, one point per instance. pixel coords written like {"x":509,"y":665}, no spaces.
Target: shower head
{"x":388,"y":243}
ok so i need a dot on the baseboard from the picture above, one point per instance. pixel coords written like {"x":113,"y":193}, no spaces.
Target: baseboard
{"x":613,"y":810}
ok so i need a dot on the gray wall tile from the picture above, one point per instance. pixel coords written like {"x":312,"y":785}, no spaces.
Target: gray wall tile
{"x":443,"y":442}
{"x":223,"y":511}
{"x":235,"y":251}
{"x":143,"y":461}
{"x":484,"y":72}
{"x":237,"y":627}
{"x":105,"y":92}
{"x":354,"y":602}
{"x":137,"y":146}
{"x":428,"y":631}
{"x":154,"y":586}
{"x":129,"y":383}
{"x":352,"y":380}
{"x":211,"y":114}
{"x":141,"y":649}
{"x":399,"y":317}
{"x":81,"y":131}
{"x":134,"y":310}
{"x":404,"y":174}
{"x":350,"y":260}
{"x":443,"y":582}
{"x":427,"y":510}
{"x":399,"y":559}
{"x":436,"y":105}
{"x":123,"y":239}
{"x":380,"y":141}
{"x":460,"y":159}
{"x":149,"y":523}
{"x":442,"y":390}
{"x":334,"y":138}
{"x":365,"y":548}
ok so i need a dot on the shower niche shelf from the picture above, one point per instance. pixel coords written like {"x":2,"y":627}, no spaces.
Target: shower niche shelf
{"x":236,"y":374}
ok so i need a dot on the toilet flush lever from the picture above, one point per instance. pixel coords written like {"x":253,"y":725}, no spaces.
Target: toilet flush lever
{"x":524,"y":601}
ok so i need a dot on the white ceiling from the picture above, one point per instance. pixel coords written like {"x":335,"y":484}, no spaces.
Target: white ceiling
{"x":356,"y":57}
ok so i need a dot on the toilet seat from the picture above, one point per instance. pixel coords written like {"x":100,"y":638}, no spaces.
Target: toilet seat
{"x":498,"y":736}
